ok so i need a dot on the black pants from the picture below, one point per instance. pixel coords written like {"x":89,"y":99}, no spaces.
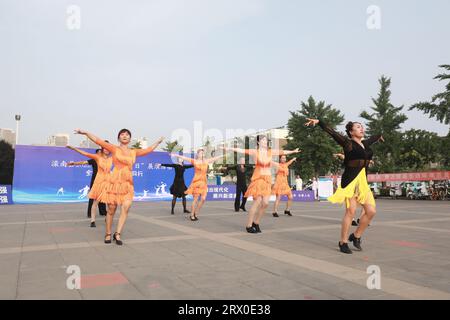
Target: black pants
{"x":237,"y":201}
{"x":101,"y":208}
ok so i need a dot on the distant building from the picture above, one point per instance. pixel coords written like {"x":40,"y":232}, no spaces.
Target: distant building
{"x":58,"y":140}
{"x":8,"y":136}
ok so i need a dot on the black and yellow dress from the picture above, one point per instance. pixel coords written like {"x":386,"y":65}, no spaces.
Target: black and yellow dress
{"x":357,"y":159}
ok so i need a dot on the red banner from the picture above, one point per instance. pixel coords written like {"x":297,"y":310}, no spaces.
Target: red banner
{"x":410,"y":176}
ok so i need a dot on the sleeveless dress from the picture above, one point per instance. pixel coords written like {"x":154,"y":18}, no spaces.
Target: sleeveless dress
{"x":261,"y":182}
{"x":281,"y":186}
{"x":199,"y":184}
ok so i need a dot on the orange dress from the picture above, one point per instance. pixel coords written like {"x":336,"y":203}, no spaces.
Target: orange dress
{"x":261,"y":181}
{"x":199,"y":184}
{"x":281,"y":186}
{"x":101,"y":181}
{"x":120,"y":187}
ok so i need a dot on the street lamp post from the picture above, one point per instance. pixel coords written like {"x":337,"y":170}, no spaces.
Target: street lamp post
{"x":17,"y":127}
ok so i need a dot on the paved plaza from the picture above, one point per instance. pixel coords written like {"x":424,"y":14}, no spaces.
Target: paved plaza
{"x":169,"y":257}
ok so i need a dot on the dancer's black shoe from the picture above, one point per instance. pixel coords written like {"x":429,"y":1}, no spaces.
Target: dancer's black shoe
{"x":243,"y":209}
{"x":118,"y":241}
{"x":193,"y":218}
{"x":344,"y":248}
{"x":275,"y":215}
{"x":354,"y":223}
{"x":171,"y":212}
{"x":251,"y":229}
{"x":356,"y":241}
{"x":288,"y":212}
{"x":186,"y":211}
{"x":256,"y":226}
{"x":93,"y":224}
{"x":108,"y":240}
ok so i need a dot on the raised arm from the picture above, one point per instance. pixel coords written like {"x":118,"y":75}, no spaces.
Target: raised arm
{"x":86,"y":154}
{"x":373,"y":139}
{"x":339,"y":138}
{"x":108,"y":146}
{"x":291,"y":161}
{"x":182,"y":157}
{"x":143,"y":152}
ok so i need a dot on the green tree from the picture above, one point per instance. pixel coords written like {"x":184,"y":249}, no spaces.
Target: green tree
{"x":420,"y":149}
{"x":6,"y":163}
{"x":136,"y":145}
{"x":173,"y":146}
{"x":317,"y":148}
{"x":439,"y":107}
{"x":386,"y":120}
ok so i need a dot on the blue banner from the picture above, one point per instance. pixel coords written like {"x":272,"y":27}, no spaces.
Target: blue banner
{"x":41,"y":175}
{"x":5,"y":194}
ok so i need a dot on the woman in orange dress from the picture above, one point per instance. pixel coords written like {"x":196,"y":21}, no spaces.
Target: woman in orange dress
{"x":261,"y":182}
{"x":120,"y":189}
{"x":199,"y":185}
{"x":104,"y":163}
{"x":281,"y":186}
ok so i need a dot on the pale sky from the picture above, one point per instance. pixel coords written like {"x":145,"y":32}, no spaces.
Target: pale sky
{"x":155,"y":66}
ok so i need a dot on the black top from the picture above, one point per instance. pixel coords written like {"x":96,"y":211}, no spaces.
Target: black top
{"x":241,"y":174}
{"x":93,"y":163}
{"x":178,"y":186}
{"x":356,"y":156}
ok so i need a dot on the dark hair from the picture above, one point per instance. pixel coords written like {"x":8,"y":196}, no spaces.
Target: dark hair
{"x":281,"y":156}
{"x":122,"y":131}
{"x":259,"y":137}
{"x":349,"y":127}
{"x":97,"y":150}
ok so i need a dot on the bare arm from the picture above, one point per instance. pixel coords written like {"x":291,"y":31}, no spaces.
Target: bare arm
{"x":86,"y":154}
{"x":239,"y":150}
{"x":284,"y":152}
{"x":143,"y":152}
{"x":291,"y":161}
{"x":108,"y":146}
{"x":182,"y":157}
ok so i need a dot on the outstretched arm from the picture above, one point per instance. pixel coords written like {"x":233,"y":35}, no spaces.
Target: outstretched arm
{"x":284,"y":152}
{"x":291,"y":161}
{"x":170,"y":165}
{"x":76,"y":163}
{"x":239,"y":150}
{"x":373,"y":139}
{"x":182,"y":157}
{"x":86,"y":154}
{"x":143,"y":152}
{"x":339,"y":138}
{"x":108,"y":146}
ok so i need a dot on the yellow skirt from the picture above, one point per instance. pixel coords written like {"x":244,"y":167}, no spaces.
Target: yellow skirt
{"x":358,"y":187}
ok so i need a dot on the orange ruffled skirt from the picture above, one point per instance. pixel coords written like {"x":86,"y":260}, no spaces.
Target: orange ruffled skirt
{"x":260,"y":186}
{"x":100,"y":186}
{"x":281,"y":187}
{"x":120,"y":187}
{"x":198,"y":187}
